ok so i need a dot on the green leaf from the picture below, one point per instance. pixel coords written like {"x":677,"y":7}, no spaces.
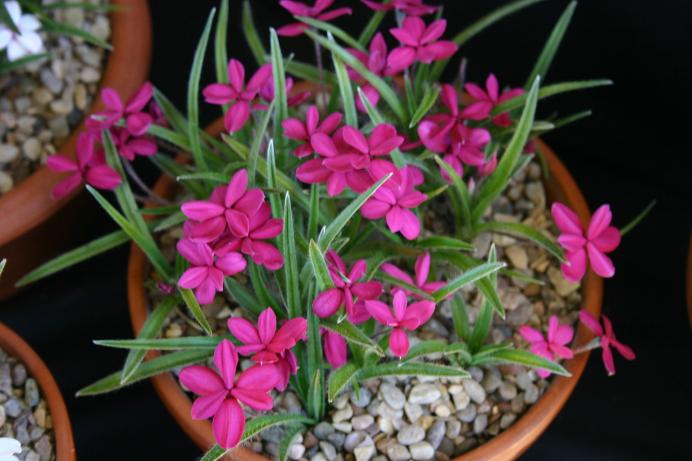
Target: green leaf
{"x":339,"y":379}
{"x":460,"y":317}
{"x":345,"y":88}
{"x":524,"y":231}
{"x":551,"y":46}
{"x":563,"y":121}
{"x":162,"y":344}
{"x":259,"y":286}
{"x":442,"y":242}
{"x":280,"y":95}
{"x":314,"y":211}
{"x":6,"y":18}
{"x":479,"y":26}
{"x":251,"y":36}
{"x":519,"y":357}
{"x":334,"y":228}
{"x":6,"y":66}
{"x":258,"y":137}
{"x":289,"y":437}
{"x":220,"y":49}
{"x":151,"y":328}
{"x":410,"y":369}
{"x":256,"y":425}
{"x":371,"y":27}
{"x":305,"y":71}
{"x":550,"y":90}
{"x":499,"y":179}
{"x":243,"y":296}
{"x":149,"y":368}
{"x":406,"y":286}
{"x":144,"y":241}
{"x":353,"y":335}
{"x":333,"y":30}
{"x":316,"y":394}
{"x":436,"y":346}
{"x":470,"y":276}
{"x":461,"y":191}
{"x":76,"y":256}
{"x":319,"y":266}
{"x":632,"y":224}
{"x":193,"y":96}
{"x":172,"y":114}
{"x":429,"y":98}
{"x":66,"y":29}
{"x":291,"y":265}
{"x":196,"y":310}
{"x":387,"y":93}
{"x":3,"y":263}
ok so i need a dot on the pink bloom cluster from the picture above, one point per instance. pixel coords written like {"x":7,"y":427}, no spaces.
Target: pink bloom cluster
{"x":422,"y":271}
{"x":408,"y":7}
{"x":552,"y":347}
{"x":420,"y":42}
{"x":584,"y":248}
{"x":267,"y":345}
{"x":317,"y":11}
{"x":221,"y":392}
{"x":233,"y":222}
{"x":607,"y":339}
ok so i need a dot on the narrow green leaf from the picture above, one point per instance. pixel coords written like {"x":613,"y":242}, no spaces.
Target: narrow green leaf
{"x":203,"y":176}
{"x":6,"y":18}
{"x":337,"y":224}
{"x":3,"y":263}
{"x":563,"y":121}
{"x":353,"y":335}
{"x":460,"y":317}
{"x":316,"y":394}
{"x":291,"y":264}
{"x":387,"y":93}
{"x":436,"y":346}
{"x":333,"y":30}
{"x":305,"y":71}
{"x":550,"y":90}
{"x":251,"y":36}
{"x":371,"y":27}
{"x":339,"y":379}
{"x":280,"y":95}
{"x":462,"y":193}
{"x":220,"y":48}
{"x":66,"y":29}
{"x":151,"y":328}
{"x":6,"y":66}
{"x":429,"y":98}
{"x":196,"y":310}
{"x":173,"y":220}
{"x":193,"y":96}
{"x":258,"y":137}
{"x":173,"y":115}
{"x":259,"y":286}
{"x":524,"y":231}
{"x":519,"y":357}
{"x":470,"y":276}
{"x":314,"y":211}
{"x":499,"y":179}
{"x":442,"y":242}
{"x":243,"y":296}
{"x":410,"y":369}
{"x":402,"y":284}
{"x":345,"y":88}
{"x":319,"y":266}
{"x":551,"y":46}
{"x":287,"y":440}
{"x":632,"y":224}
{"x":162,"y":344}
{"x":149,"y":368}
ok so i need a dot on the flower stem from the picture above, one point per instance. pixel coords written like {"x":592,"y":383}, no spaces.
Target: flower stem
{"x":150,"y":193}
{"x":593,"y":344}
{"x":320,"y":72}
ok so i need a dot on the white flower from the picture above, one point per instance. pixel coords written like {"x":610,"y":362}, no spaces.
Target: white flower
{"x":8,"y":448}
{"x":26,"y":42}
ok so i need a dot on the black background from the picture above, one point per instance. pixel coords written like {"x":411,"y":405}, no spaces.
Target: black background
{"x":632,"y":150}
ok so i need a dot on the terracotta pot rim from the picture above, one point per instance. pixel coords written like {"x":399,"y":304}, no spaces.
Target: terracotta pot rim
{"x":123,"y":71}
{"x":15,"y":346}
{"x":508,"y":445}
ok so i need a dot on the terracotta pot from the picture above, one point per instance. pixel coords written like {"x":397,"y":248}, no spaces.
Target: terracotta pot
{"x":15,"y":346}
{"x":507,"y":445}
{"x":35,"y":227}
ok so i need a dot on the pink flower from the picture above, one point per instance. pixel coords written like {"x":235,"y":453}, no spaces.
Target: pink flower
{"x":136,"y":120}
{"x":379,"y":63}
{"x":90,"y":167}
{"x":316,"y":11}
{"x":404,"y":317}
{"x":303,"y":131}
{"x":287,"y":366}
{"x":607,"y":339}
{"x":485,"y":101}
{"x":237,"y":92}
{"x":381,"y":142}
{"x":489,"y":166}
{"x":552,"y":348}
{"x":394,"y":201}
{"x":267,"y":93}
{"x":409,"y":7}
{"x":220,"y":393}
{"x":420,"y":42}
{"x":422,"y":270}
{"x":600,"y":238}
{"x":346,"y":287}
{"x":129,"y":146}
{"x":265,"y":343}
{"x":208,"y":269}
{"x":335,"y":348}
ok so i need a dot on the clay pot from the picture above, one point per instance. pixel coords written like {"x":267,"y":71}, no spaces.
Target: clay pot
{"x":35,"y":227}
{"x":15,"y":346}
{"x":507,"y":445}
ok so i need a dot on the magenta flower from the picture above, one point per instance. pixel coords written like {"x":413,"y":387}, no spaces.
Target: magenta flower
{"x":607,"y":339}
{"x":394,"y":201}
{"x":287,"y":366}
{"x":422,"y":270}
{"x":489,"y":166}
{"x":408,"y":7}
{"x":485,"y":101}
{"x":90,"y":167}
{"x":346,"y":287}
{"x":267,"y":93}
{"x":335,"y":348}
{"x":303,"y":131}
{"x":237,"y":93}
{"x":404,"y":317}
{"x":136,"y":120}
{"x":580,"y":249}
{"x":265,"y":343}
{"x":129,"y":147}
{"x":420,"y":42}
{"x":554,"y":346}
{"x":381,"y":142}
{"x":208,"y":269}
{"x":317,"y":11}
{"x":220,"y":393}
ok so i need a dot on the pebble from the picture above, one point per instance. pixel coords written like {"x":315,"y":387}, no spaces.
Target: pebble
{"x":517,"y":256}
{"x":563,"y":286}
{"x":296,"y":451}
{"x":410,"y":434}
{"x":480,"y":423}
{"x":468,"y":414}
{"x":413,"y":411}
{"x":362,"y":422}
{"x":322,"y":430}
{"x":59,"y":127}
{"x":8,"y":152}
{"x":3,"y":417}
{"x":328,"y":450}
{"x":474,"y":390}
{"x":353,"y":440}
{"x":397,"y":452}
{"x":424,"y":394}
{"x":32,"y":149}
{"x":31,"y":455}
{"x":393,"y":396}
{"x":436,"y":433}
{"x":507,"y":420}
{"x":342,"y":415}
{"x":422,"y":451}
{"x":50,"y":81}
{"x":508,"y":391}
{"x":491,"y":381}
{"x":531,"y":394}
{"x":13,"y":408}
{"x":31,"y":394}
{"x":337,"y":439}
{"x":453,"y":428}
{"x":362,"y":398}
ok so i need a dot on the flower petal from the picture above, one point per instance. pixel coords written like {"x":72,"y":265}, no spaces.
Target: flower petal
{"x":243,"y":330}
{"x":201,"y":380}
{"x":601,"y":264}
{"x":228,"y":424}
{"x":380,"y":311}
{"x":398,"y":342}
{"x":208,"y":405}
{"x":327,"y":302}
{"x":266,"y":325}
{"x":226,"y":362}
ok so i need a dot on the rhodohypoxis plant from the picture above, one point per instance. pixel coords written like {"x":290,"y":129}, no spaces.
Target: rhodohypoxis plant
{"x":308,"y":215}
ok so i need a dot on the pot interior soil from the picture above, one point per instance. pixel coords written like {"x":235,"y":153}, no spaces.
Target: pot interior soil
{"x":42,"y":102}
{"x":420,"y":418}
